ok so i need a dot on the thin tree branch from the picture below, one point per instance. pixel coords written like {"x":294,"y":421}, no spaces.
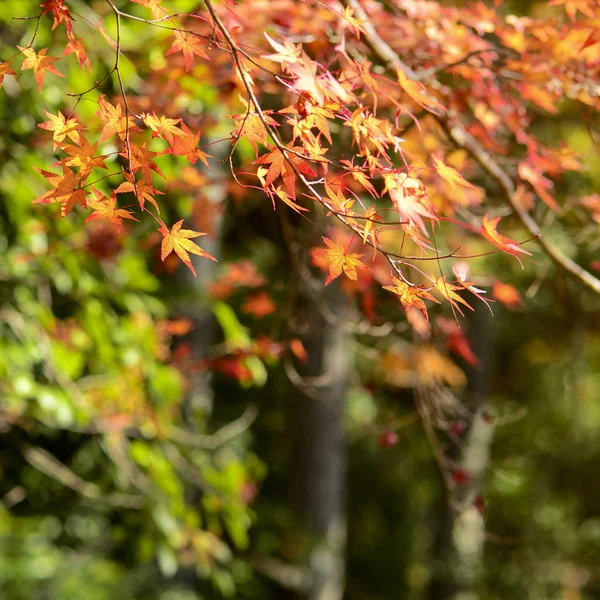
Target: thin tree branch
{"x":43,"y":461}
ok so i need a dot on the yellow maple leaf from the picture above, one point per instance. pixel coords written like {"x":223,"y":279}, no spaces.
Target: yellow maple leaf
{"x":450,"y":175}
{"x":180,"y":241}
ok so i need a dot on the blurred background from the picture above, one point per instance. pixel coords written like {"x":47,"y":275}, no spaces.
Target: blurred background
{"x":168,"y":438}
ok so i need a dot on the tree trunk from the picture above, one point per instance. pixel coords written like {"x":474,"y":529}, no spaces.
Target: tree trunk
{"x":461,"y":535}
{"x":317,"y":427}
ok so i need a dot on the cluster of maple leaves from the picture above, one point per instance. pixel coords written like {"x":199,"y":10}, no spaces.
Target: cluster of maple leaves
{"x":367,"y":98}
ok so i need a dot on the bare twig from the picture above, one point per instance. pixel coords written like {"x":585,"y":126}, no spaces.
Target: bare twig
{"x":43,"y":461}
{"x":220,"y":437}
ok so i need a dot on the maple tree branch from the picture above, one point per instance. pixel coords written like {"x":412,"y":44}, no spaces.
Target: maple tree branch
{"x":463,"y":139}
{"x":235,"y":51}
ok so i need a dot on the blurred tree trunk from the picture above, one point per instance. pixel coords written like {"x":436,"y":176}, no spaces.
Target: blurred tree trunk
{"x":461,"y":533}
{"x":319,"y":453}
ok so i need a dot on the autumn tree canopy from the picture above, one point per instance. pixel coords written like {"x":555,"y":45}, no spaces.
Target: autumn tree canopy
{"x":433,"y":110}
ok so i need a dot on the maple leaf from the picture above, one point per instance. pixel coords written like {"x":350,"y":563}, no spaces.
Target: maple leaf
{"x":67,"y":190}
{"x":457,"y":340}
{"x":180,"y":241}
{"x":286,"y":53}
{"x":369,"y":131}
{"x":106,"y":209}
{"x":306,"y":79}
{"x":190,"y":45}
{"x":142,"y":160}
{"x":61,"y":14}
{"x":352,"y":22}
{"x":76,"y":47}
{"x":243,"y":273}
{"x":539,"y":96}
{"x":450,"y":175}
{"x":585,"y":7}
{"x":507,"y":294}
{"x":410,"y":295}
{"x":162,"y":127}
{"x":282,"y":195}
{"x":83,"y":156}
{"x":5,"y":69}
{"x":361,"y":177}
{"x":187,"y":145}
{"x":40,"y":63}
{"x":62,"y":128}
{"x":416,"y":90}
{"x":259,"y":305}
{"x":250,"y":126}
{"x":339,"y":261}
{"x":539,"y":183}
{"x":488,"y":230}
{"x":338,"y":201}
{"x":142,"y":190}
{"x":369,"y":228}
{"x":114,"y":121}
{"x":279,"y":167}
{"x":448,"y":291}
{"x":154,"y":6}
{"x":408,"y":195}
{"x":461,"y":271}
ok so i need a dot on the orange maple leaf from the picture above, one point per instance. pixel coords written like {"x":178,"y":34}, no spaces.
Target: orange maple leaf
{"x":83,"y":156}
{"x":61,"y":14}
{"x":259,"y":305}
{"x":142,"y":160}
{"x":106,"y":209}
{"x":250,"y":126}
{"x":61,"y":128}
{"x":154,"y":6}
{"x":585,"y":7}
{"x":285,"y":197}
{"x":190,"y":45}
{"x":142,"y":190}
{"x":539,"y":183}
{"x":280,"y":166}
{"x":162,"y":127}
{"x":361,"y":177}
{"x":488,"y":230}
{"x":5,"y":69}
{"x":179,"y":240}
{"x":507,"y":294}
{"x":339,"y":261}
{"x":40,"y":63}
{"x":114,"y":121}
{"x":410,"y":295}
{"x":417,"y":92}
{"x":187,"y":145}
{"x":67,"y":189}
{"x":76,"y":47}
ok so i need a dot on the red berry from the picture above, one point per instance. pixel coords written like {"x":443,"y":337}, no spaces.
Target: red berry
{"x":388,"y":439}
